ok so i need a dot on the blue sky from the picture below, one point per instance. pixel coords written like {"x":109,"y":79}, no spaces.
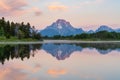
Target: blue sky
{"x":80,"y":13}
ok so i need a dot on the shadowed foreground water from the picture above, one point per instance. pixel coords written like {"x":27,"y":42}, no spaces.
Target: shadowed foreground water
{"x":50,"y":61}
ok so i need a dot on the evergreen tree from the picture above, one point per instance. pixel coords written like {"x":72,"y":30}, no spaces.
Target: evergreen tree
{"x":2,"y":25}
{"x":13,"y":29}
{"x":1,"y":31}
{"x":20,"y":34}
{"x":27,"y":31}
{"x":8,"y":31}
{"x":19,"y":30}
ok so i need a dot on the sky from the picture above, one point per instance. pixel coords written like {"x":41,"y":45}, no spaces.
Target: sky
{"x":86,"y":14}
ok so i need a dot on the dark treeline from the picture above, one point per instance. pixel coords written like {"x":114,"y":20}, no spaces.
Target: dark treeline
{"x":102,"y":35}
{"x":19,"y":30}
{"x":8,"y":52}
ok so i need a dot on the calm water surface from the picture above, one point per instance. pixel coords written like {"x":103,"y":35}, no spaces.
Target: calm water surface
{"x":60,"y":62}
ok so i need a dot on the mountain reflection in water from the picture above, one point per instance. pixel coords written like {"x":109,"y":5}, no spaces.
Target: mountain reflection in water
{"x":63,"y":51}
{"x":60,"y":51}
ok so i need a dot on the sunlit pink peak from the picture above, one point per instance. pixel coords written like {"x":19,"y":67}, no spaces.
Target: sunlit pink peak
{"x":62,"y":21}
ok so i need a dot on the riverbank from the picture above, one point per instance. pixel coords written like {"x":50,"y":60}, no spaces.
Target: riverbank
{"x":55,"y":41}
{"x":15,"y":39}
{"x":78,"y":41}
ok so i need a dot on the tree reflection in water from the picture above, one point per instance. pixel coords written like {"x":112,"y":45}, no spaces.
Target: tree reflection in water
{"x":20,"y":51}
{"x":60,"y":51}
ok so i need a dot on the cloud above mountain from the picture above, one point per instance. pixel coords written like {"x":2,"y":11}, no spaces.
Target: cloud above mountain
{"x":57,"y":6}
{"x":37,"y":11}
{"x":17,"y":7}
{"x":78,"y":12}
{"x":12,"y":7}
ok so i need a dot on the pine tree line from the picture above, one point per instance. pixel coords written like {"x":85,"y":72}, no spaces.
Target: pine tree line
{"x":102,"y":35}
{"x":20,"y":30}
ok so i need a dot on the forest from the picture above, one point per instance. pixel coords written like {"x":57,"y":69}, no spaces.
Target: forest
{"x":11,"y":30}
{"x":102,"y":35}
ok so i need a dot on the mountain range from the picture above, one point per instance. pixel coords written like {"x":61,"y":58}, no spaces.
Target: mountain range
{"x":64,"y":28}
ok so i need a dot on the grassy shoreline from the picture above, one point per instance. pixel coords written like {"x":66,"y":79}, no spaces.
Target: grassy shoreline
{"x":15,"y":39}
{"x":58,"y":41}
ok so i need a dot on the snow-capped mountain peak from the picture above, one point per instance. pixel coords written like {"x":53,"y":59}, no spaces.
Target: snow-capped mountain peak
{"x":61,"y":27}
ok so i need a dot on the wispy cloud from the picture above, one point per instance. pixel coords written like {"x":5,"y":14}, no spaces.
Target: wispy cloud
{"x":56,"y":6}
{"x":12,"y":7}
{"x":12,"y":74}
{"x":90,"y":2}
{"x":36,"y":11}
{"x":56,"y":73}
{"x":15,"y":71}
{"x":3,"y":6}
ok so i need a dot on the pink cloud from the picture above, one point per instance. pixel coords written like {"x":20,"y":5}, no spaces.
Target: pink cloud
{"x":56,"y":73}
{"x":12,"y":74}
{"x":32,"y":69}
{"x":56,"y":6}
{"x":15,"y":71}
{"x":12,"y":7}
{"x":37,"y":11}
{"x":3,"y":6}
{"x":3,"y":73}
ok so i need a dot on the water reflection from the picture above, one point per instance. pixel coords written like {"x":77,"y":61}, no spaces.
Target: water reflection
{"x":17,"y":51}
{"x":78,"y":62}
{"x":60,"y":51}
{"x":102,"y":48}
